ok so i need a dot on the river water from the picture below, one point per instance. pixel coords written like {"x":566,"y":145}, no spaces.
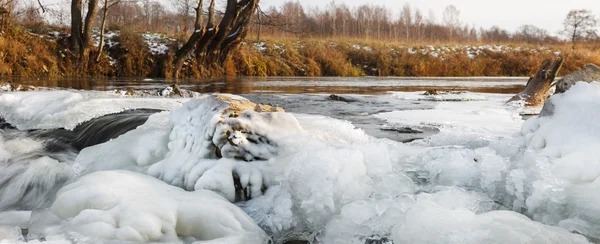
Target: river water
{"x":295,"y":85}
{"x":309,"y":95}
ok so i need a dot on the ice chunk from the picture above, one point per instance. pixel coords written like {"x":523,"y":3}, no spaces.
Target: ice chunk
{"x":10,"y":234}
{"x":127,"y":206}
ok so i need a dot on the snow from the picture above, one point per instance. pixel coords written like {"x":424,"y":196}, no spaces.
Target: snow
{"x":432,"y":222}
{"x":566,"y":169}
{"x":486,"y":177}
{"x":67,"y":109}
{"x":127,"y":206}
{"x":158,"y":43}
{"x":261,"y":47}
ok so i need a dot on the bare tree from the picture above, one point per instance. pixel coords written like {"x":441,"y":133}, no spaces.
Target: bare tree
{"x":531,"y":34}
{"x":580,"y":24}
{"x":81,"y":29}
{"x":406,"y":17}
{"x":106,"y":6}
{"x":452,"y":19}
{"x":213,"y":43}
{"x":185,"y":10}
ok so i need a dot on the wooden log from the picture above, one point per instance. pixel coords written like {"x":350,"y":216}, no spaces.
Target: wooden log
{"x":536,"y":90}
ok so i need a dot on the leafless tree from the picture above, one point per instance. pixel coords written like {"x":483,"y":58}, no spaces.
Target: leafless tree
{"x":452,"y":19}
{"x":81,"y":29}
{"x":531,"y":34}
{"x":580,"y":24}
{"x":212,"y":42}
{"x":185,"y":9}
{"x":406,"y":17}
{"x":105,"y":7}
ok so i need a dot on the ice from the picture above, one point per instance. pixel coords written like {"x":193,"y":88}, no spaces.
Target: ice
{"x":470,"y":123}
{"x":563,"y":158}
{"x":10,"y":234}
{"x":66,"y":109}
{"x":146,"y":145}
{"x":487,"y":177}
{"x":127,"y":206}
{"x":442,"y":96}
{"x":430,"y":222}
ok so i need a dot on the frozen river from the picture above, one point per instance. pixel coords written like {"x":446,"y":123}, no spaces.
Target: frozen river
{"x":125,"y":161}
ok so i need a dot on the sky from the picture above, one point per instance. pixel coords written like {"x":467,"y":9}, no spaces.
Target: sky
{"x":507,"y":14}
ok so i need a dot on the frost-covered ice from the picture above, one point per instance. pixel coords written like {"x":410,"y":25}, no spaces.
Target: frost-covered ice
{"x":487,"y":177}
{"x":67,"y":109}
{"x":127,"y":206}
{"x":474,"y":122}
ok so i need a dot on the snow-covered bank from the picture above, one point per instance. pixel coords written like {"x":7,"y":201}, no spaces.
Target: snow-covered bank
{"x":486,"y":178}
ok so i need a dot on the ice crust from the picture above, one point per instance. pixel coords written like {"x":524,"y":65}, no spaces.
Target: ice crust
{"x":487,"y":177}
{"x":128,"y":206}
{"x":67,"y":109}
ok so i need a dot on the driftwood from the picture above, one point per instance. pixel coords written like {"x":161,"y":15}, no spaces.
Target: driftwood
{"x":590,"y":73}
{"x":536,"y":90}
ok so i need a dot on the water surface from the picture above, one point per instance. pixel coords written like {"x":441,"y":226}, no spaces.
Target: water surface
{"x":295,"y":85}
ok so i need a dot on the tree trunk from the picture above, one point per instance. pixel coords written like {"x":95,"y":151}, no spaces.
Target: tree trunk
{"x":536,"y":90}
{"x":81,"y":32}
{"x":102,"y":29}
{"x":213,"y":44}
{"x":76,"y":43}
{"x":87,"y":25}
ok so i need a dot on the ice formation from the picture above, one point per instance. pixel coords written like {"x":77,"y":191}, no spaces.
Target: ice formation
{"x":487,"y":177}
{"x":566,"y":171}
{"x":67,"y":109}
{"x":128,"y":206}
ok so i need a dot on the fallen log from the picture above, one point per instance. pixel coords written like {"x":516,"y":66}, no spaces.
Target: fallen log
{"x":589,"y":73}
{"x":536,"y":90}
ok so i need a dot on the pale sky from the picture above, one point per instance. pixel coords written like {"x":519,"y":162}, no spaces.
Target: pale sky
{"x":508,"y":14}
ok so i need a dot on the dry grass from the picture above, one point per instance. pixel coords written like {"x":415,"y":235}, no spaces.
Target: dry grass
{"x":349,"y":57}
{"x":23,"y":54}
{"x":26,"y":55}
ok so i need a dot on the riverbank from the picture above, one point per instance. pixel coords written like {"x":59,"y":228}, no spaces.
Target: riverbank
{"x":131,"y":54}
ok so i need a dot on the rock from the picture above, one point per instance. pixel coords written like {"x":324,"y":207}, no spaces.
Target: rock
{"x":238,"y":106}
{"x":403,"y":130}
{"x":589,"y":73}
{"x":341,"y":98}
{"x":431,"y":92}
{"x":130,"y":92}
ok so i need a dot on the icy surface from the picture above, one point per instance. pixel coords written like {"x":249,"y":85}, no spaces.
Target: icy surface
{"x":566,"y":169}
{"x":127,"y":206}
{"x":468,"y":123}
{"x":487,"y":177}
{"x":441,"y":96}
{"x":66,"y":109}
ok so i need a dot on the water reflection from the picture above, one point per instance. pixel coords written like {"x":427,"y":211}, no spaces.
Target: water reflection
{"x":290,"y":85}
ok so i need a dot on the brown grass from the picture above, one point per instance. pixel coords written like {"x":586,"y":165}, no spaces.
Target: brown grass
{"x":24,"y":54}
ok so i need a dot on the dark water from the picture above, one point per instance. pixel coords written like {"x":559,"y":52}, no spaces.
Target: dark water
{"x":293,"y":85}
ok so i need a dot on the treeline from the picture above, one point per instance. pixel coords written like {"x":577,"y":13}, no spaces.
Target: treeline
{"x":378,"y":22}
{"x":292,"y":19}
